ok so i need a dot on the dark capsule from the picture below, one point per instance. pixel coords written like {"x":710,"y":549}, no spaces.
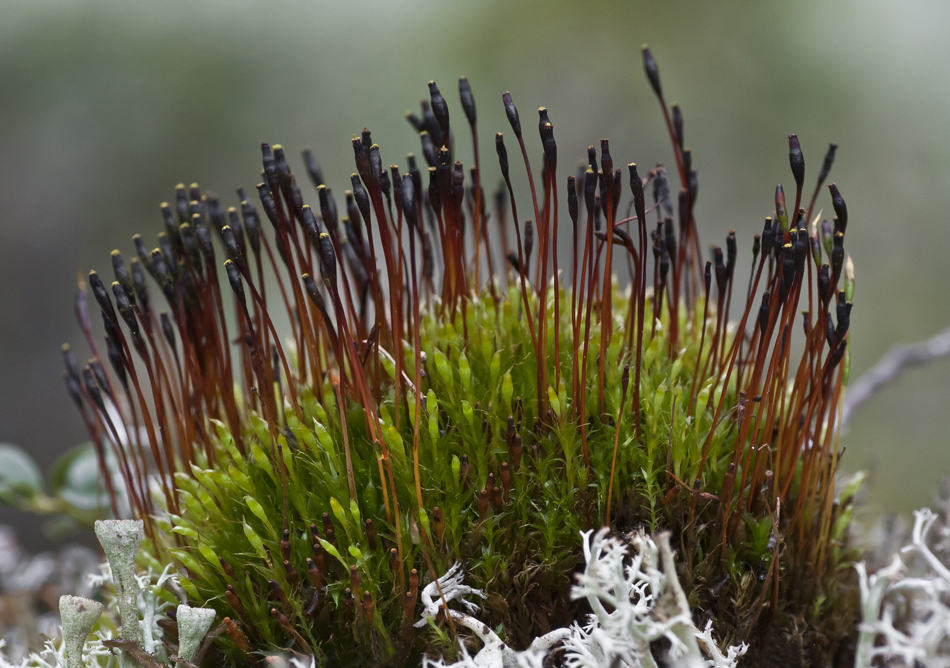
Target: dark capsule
{"x":314,"y":292}
{"x":384,"y":183}
{"x":722,"y":273}
{"x":512,"y":113}
{"x":100,"y":375}
{"x":167,"y":331}
{"x":409,"y":199}
{"x":361,"y":156}
{"x":828,"y":162}
{"x":844,"y":316}
{"x":841,"y":209}
{"x":483,"y":499}
{"x":731,"y":252}
{"x":517,"y":450}
{"x":252,"y":225}
{"x":117,"y":361}
{"x":664,"y":261}
{"x":824,"y":284}
{"x":678,"y":126}
{"x":328,"y":208}
{"x":102,"y":297}
{"x":572,"y":201}
{"x":327,"y":261}
{"x":89,"y":383}
{"x":653,"y":72}
{"x":361,"y":198}
{"x":270,"y":166}
{"x":267,"y":202}
{"x":428,"y":149}
{"x":837,"y":258}
{"x":231,"y":245}
{"x":549,"y":146}
{"x":670,"y":237}
{"x":234,"y":278}
{"x":502,"y":154}
{"x":293,"y":578}
{"x":370,"y":534}
{"x":606,"y":162}
{"x":234,"y":600}
{"x":661,"y":190}
{"x":354,"y":578}
{"x":590,"y":191}
{"x":313,"y":168}
{"x":181,"y":202}
{"x":440,"y":110}
{"x":764,"y":313}
{"x":313,"y":573}
{"x":140,"y":249}
{"x":435,"y":197}
{"x":369,"y":607}
{"x":780,"y":212}
{"x":310,"y":225}
{"x":125,"y":308}
{"x":207,"y":248}
{"x":788,"y":271}
{"x":375,"y":163}
{"x":438,"y":523}
{"x":139,"y":288}
{"x":122,"y":275}
{"x":468,"y":100}
{"x":796,"y":160}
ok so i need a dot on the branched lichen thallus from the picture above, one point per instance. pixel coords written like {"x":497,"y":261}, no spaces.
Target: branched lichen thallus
{"x":319,"y":408}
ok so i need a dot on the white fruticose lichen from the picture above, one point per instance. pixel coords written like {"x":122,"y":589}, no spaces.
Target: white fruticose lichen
{"x":631,"y":586}
{"x":79,"y":615}
{"x":905,"y":611}
{"x":193,"y":626}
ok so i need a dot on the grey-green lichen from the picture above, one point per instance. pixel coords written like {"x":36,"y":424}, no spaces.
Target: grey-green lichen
{"x":193,"y":626}
{"x":79,"y":615}
{"x":120,"y":540}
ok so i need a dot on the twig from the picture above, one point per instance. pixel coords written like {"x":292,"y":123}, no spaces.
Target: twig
{"x":135,"y":651}
{"x":886,"y":371}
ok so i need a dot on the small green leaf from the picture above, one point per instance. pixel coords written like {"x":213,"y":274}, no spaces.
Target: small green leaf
{"x":442,"y":367}
{"x":338,"y":511}
{"x":332,"y":551}
{"x":507,"y":389}
{"x":211,"y":557}
{"x":465,"y":373}
{"x":255,"y":541}
{"x":259,"y":513}
{"x":555,"y":401}
{"x":494,"y":368}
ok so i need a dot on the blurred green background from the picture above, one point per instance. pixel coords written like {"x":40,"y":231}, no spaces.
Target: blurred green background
{"x":105,"y":106}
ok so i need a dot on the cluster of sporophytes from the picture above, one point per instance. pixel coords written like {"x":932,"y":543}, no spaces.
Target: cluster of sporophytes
{"x":452,"y":389}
